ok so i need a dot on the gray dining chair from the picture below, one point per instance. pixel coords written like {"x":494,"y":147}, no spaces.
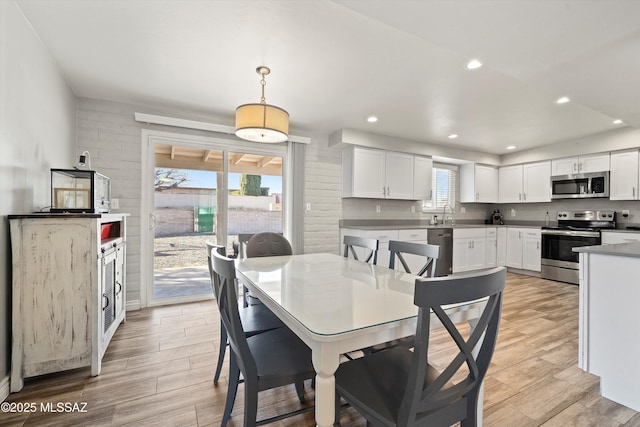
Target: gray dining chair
{"x":268,"y":244}
{"x":263,"y":244}
{"x":369,"y":245}
{"x":255,"y":319}
{"x":268,"y":360}
{"x":398,"y":387}
{"x":429,"y":253}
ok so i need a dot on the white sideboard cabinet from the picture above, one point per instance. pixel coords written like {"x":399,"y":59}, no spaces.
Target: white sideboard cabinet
{"x":68,"y":294}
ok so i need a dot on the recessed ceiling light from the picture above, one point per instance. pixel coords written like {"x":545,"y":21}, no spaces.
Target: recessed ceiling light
{"x":617,"y":122}
{"x":372,"y":119}
{"x":452,"y":136}
{"x":562,"y":100}
{"x":474,"y":64}
{"x":511,"y":147}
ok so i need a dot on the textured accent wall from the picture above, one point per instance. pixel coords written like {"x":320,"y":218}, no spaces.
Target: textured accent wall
{"x":323,"y":190}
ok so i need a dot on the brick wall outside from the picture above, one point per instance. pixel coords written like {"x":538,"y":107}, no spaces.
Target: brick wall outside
{"x":177,"y":221}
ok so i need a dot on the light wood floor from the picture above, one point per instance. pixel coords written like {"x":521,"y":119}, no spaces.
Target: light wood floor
{"x":158,"y":370}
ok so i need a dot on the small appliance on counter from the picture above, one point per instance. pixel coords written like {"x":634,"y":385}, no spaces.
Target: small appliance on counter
{"x":496,"y":218}
{"x":79,"y":191}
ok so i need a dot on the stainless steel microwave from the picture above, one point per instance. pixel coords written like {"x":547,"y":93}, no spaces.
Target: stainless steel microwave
{"x":578,"y":186}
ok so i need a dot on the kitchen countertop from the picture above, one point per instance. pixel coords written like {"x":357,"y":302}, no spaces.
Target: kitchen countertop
{"x":416,"y":227}
{"x":631,"y":249}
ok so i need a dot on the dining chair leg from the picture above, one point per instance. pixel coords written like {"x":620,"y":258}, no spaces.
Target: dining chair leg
{"x":300,"y":389}
{"x":472,"y":410}
{"x":234,"y":379}
{"x":222,"y":350}
{"x":250,"y":403}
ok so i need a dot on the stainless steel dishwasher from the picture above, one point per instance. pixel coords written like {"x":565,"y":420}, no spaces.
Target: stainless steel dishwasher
{"x":442,"y":237}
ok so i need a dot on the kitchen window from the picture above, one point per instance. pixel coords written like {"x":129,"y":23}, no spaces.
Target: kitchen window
{"x":443,"y":185}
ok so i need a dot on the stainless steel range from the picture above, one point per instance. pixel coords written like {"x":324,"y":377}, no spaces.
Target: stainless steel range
{"x":575,"y":228}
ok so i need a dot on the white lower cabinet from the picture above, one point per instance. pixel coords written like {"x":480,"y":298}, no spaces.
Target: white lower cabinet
{"x":470,"y":249}
{"x":501,"y":247}
{"x":523,"y":248}
{"x":492,"y":248}
{"x":612,"y":237}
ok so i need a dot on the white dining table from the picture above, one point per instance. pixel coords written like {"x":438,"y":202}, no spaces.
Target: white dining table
{"x":338,"y":305}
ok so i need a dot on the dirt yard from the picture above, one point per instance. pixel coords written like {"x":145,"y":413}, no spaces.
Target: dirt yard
{"x":181,"y":251}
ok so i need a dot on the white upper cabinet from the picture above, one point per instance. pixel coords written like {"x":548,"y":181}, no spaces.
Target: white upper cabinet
{"x":536,"y":182}
{"x":624,"y":179}
{"x":581,"y":164}
{"x":399,"y":175}
{"x":528,"y":183}
{"x":379,"y":174}
{"x":478,"y":183}
{"x":510,"y":184}
{"x":422,"y":177}
{"x":363,"y":173}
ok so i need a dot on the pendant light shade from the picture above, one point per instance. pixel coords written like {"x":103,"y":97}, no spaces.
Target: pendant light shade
{"x":262,"y":122}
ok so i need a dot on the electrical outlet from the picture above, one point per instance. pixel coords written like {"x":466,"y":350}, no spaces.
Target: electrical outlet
{"x":413,"y":209}
{"x":463,"y":209}
{"x":377,"y":208}
{"x":626,"y":213}
{"x":115,"y":203}
{"x":308,"y":207}
{"x":513,"y":212}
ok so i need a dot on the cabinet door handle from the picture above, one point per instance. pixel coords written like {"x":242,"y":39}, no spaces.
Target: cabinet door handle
{"x":575,"y":167}
{"x":430,"y":194}
{"x":580,"y":167}
{"x":537,"y":245}
{"x":477,"y":196}
{"x":524,"y":195}
{"x":119,"y":288}
{"x":519,"y":197}
{"x":634,"y":191}
{"x":107,"y":304}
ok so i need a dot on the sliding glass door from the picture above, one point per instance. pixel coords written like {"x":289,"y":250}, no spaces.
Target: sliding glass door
{"x":206,"y":190}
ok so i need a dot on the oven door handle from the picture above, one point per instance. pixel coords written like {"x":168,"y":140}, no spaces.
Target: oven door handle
{"x":571,"y":233}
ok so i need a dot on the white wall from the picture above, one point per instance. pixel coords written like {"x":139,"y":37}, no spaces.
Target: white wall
{"x":37,"y":132}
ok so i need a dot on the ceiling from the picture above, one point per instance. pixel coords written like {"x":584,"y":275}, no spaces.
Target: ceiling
{"x":179,"y":157}
{"x":334,"y":63}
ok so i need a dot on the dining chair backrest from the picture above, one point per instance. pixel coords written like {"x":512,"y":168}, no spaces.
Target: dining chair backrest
{"x":243,"y":240}
{"x":268,"y":244}
{"x":224,"y":277}
{"x":369,"y":245}
{"x":429,"y":252}
{"x":212,"y":247}
{"x":423,"y":398}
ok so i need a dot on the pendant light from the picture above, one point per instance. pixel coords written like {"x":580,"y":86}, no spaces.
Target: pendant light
{"x":262,"y":122}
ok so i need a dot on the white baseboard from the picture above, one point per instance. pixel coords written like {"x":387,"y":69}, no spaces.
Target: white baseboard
{"x":133,"y":305}
{"x":4,"y":388}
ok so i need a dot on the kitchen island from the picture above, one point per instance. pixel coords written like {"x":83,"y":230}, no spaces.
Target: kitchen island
{"x":609,"y":336}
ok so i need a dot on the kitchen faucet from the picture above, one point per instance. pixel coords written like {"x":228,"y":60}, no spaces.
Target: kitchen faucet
{"x":444,"y":214}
